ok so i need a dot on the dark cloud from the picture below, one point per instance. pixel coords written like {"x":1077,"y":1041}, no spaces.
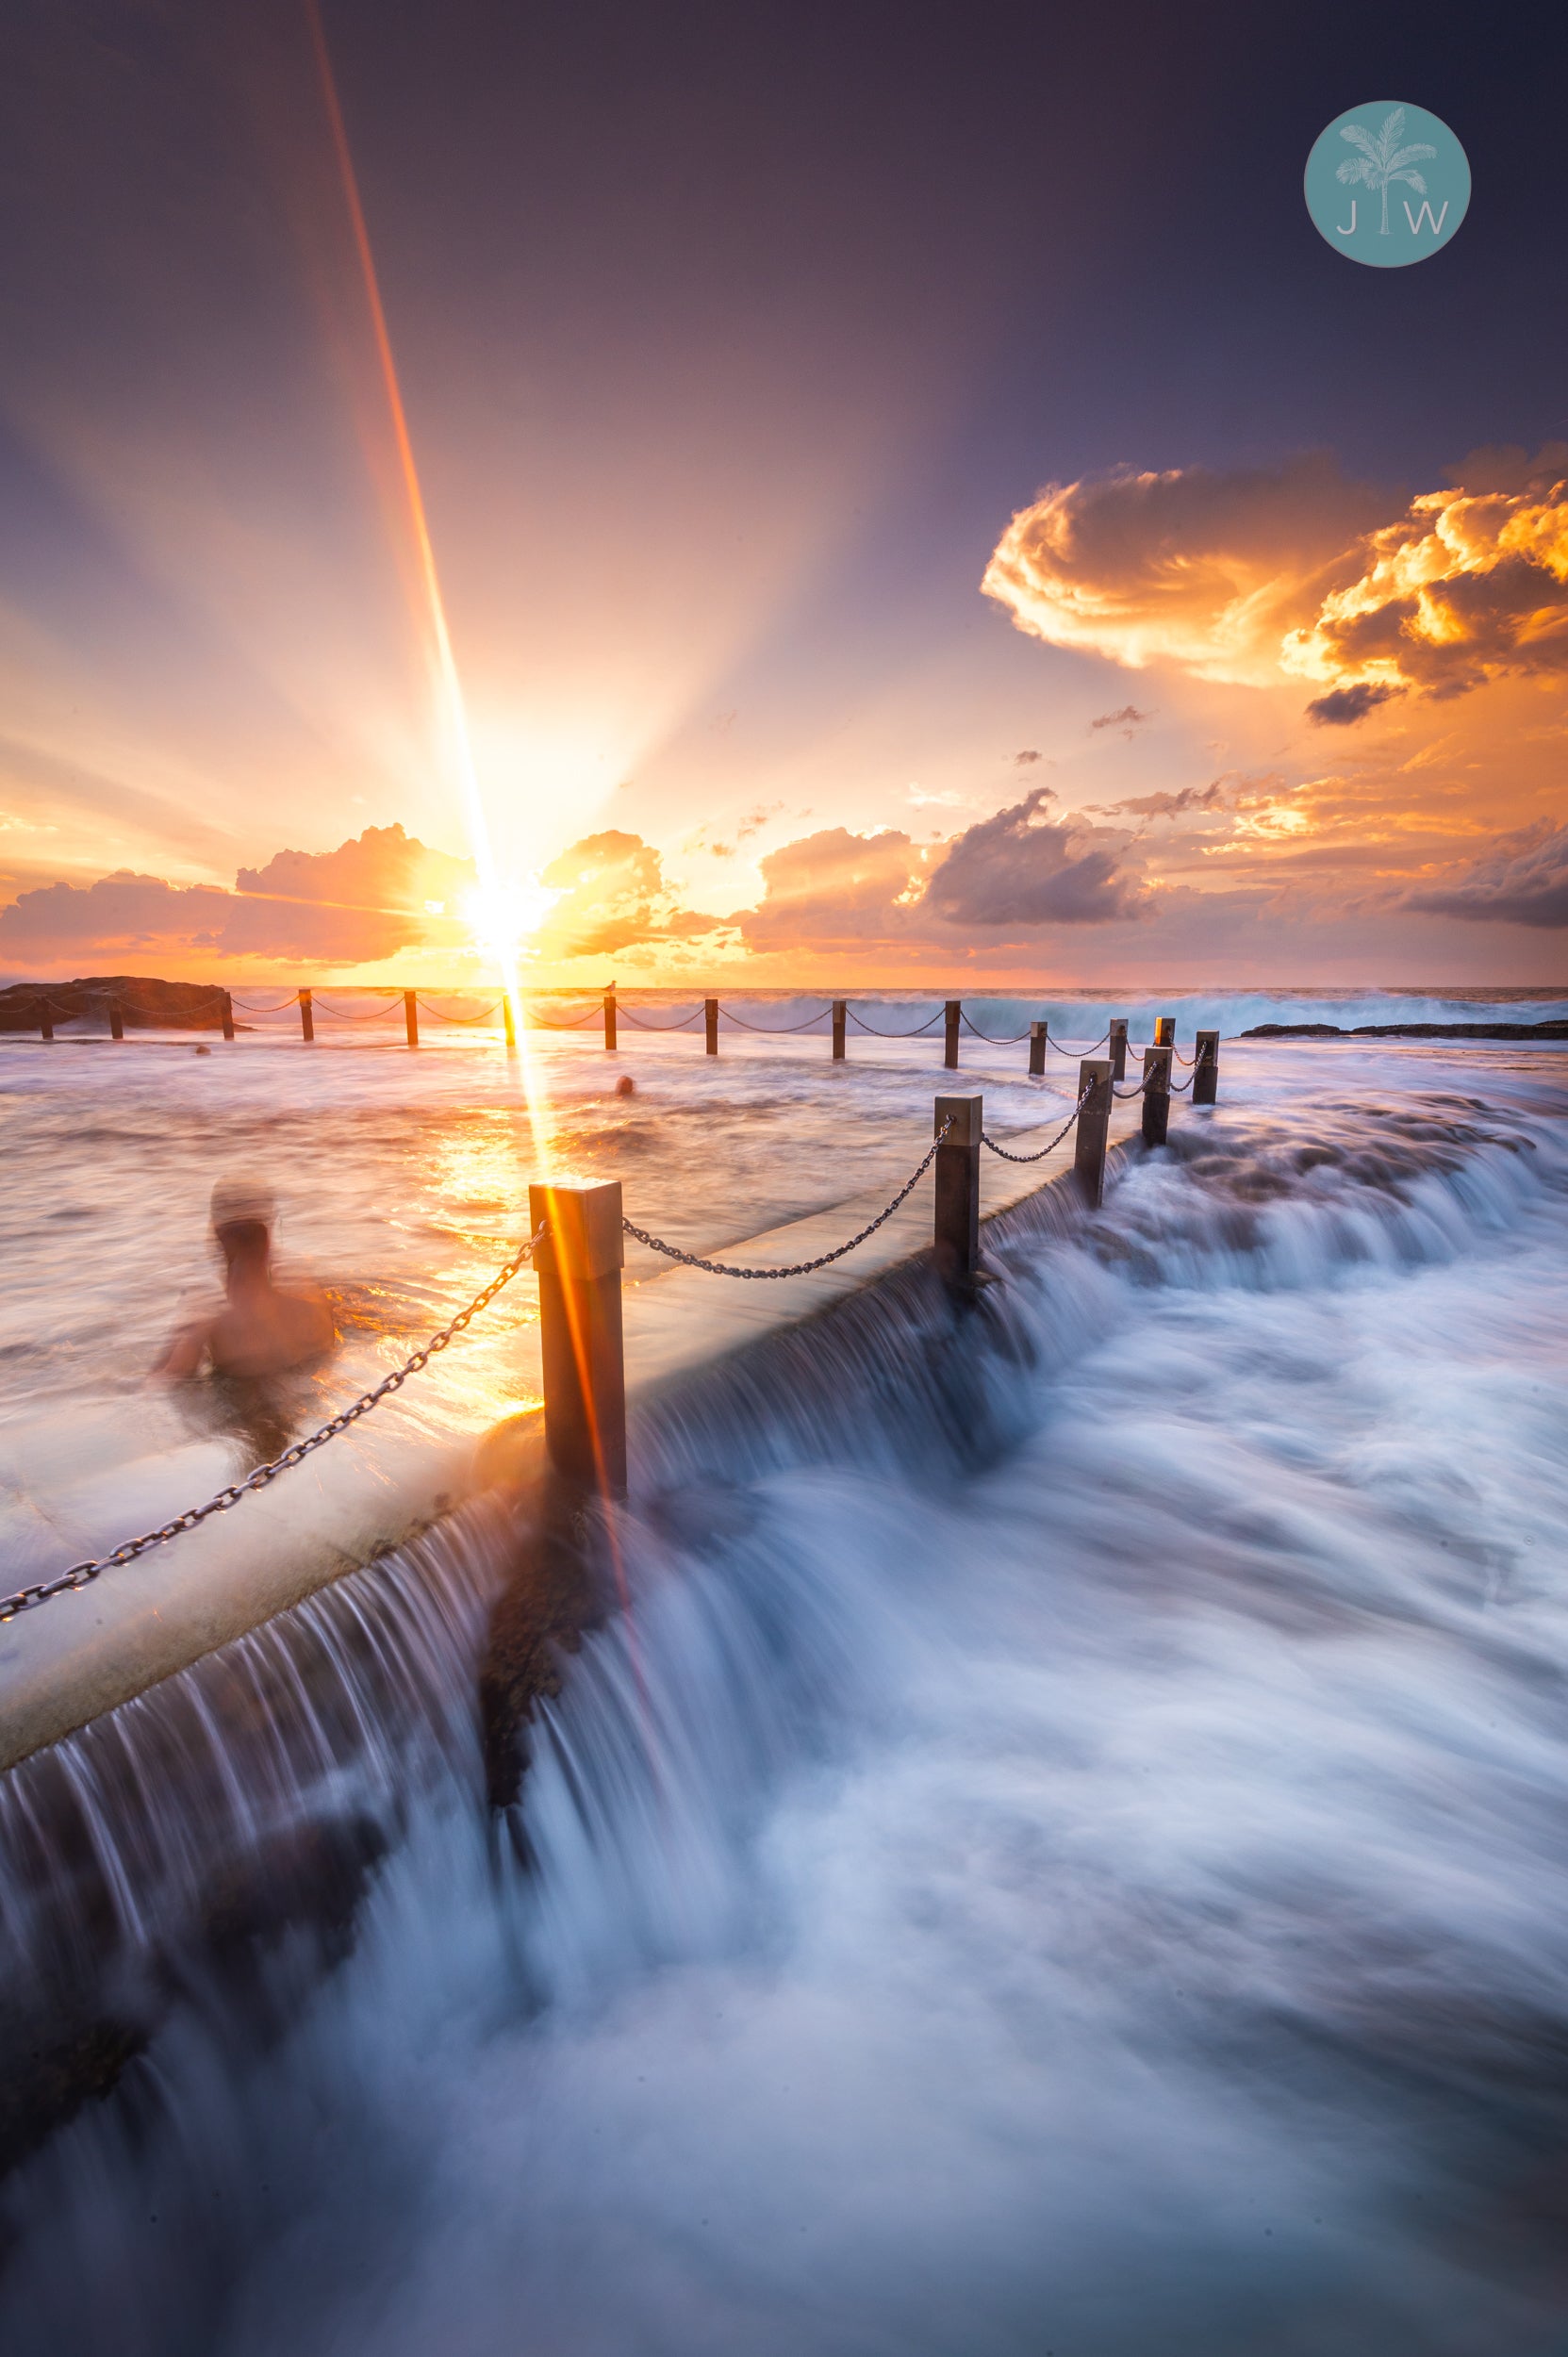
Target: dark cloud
{"x":1522,"y":880}
{"x":1016,"y":868}
{"x":1343,"y":706}
{"x":1127,"y":719}
{"x":1022,"y":761}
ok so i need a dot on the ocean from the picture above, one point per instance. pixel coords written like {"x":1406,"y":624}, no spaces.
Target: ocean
{"x":1080,"y":1876}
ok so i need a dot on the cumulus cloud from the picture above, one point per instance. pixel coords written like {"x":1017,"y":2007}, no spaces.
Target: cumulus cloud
{"x":835,"y":886}
{"x":1521,"y":881}
{"x":613,"y":896}
{"x":367,"y":900}
{"x":1260,"y":576}
{"x":1020,"y":868}
{"x":1016,"y":872}
{"x":1189,"y":566}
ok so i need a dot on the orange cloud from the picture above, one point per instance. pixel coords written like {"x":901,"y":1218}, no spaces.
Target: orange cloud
{"x":367,"y":900}
{"x":1257,"y":577}
{"x":613,"y":897}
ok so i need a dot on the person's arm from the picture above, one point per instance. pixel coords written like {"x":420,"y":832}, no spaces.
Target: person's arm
{"x":187,"y":1347}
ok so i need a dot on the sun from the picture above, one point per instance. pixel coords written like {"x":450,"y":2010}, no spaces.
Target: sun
{"x":501,"y":917}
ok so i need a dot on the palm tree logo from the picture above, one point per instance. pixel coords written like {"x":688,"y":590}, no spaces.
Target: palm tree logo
{"x":1382,"y":160}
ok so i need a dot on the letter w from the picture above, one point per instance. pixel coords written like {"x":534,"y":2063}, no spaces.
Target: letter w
{"x":1415,"y":220}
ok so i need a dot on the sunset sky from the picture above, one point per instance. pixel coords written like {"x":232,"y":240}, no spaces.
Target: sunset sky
{"x":913,"y":497}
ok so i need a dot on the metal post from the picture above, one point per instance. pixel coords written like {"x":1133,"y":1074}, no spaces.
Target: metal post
{"x":46,"y":1021}
{"x":1206,"y":1068}
{"x":1155,"y":1094}
{"x":954,"y":1008}
{"x":1165,"y":1031}
{"x":710,"y":1025}
{"x":579,"y":1260}
{"x":410,"y":1018}
{"x":1093,"y":1127}
{"x":956,"y":1232}
{"x":1117,"y":1050}
{"x":116,"y":1021}
{"x":609,"y":1022}
{"x":1037,"y":1035}
{"x":508,"y":1022}
{"x":840,"y":1014}
{"x":308,"y":1020}
{"x":226,"y":1010}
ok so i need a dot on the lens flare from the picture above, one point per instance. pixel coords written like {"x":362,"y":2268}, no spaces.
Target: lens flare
{"x":453,"y":709}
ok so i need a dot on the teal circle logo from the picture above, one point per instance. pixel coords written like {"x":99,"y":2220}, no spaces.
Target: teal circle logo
{"x":1387,"y":184}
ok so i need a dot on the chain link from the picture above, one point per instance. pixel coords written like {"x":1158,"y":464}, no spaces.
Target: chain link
{"x":801,"y":1268}
{"x":80,"y":1574}
{"x":1044,"y":1149}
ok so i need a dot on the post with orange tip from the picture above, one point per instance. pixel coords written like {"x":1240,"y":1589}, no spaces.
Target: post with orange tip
{"x":411,"y":1018}
{"x":710,"y":1024}
{"x":578,"y":1261}
{"x":1165,"y":1031}
{"x":307,"y":1020}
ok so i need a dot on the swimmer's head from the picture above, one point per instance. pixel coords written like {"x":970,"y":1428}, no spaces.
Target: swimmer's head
{"x":243,"y":1213}
{"x":626,"y":1086}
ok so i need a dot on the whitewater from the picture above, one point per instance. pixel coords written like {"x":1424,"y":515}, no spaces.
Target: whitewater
{"x":1064,"y":1855}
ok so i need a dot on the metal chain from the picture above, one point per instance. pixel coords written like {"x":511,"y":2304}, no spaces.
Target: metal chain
{"x":437,"y":1017}
{"x":876,"y":1034}
{"x":1071,"y":1052}
{"x":1137,"y":1091}
{"x":1008,"y":1039}
{"x":80,"y":1574}
{"x":572,"y":1023}
{"x":1044,"y":1149}
{"x":803,"y":1268}
{"x":685,"y":1023}
{"x":775,"y":1030}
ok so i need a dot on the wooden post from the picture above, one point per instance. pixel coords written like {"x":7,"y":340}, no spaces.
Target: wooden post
{"x":956,"y":1229}
{"x":508,"y":1022}
{"x":1155,"y":1094}
{"x":116,"y":1021}
{"x":410,"y":1018}
{"x":840,"y":1014}
{"x":1038,"y":1036}
{"x":308,"y":1020}
{"x":1165,"y":1031}
{"x":1093,"y":1127}
{"x":579,"y":1261}
{"x":710,"y":1025}
{"x":45,"y":1020}
{"x":1206,"y":1068}
{"x":226,"y":1010}
{"x":1116,"y":1047}
{"x":953,"y":1008}
{"x":609,"y":1022}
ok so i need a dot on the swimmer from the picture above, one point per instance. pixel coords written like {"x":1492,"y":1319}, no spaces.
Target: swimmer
{"x":626,"y":1086}
{"x":261,"y":1329}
